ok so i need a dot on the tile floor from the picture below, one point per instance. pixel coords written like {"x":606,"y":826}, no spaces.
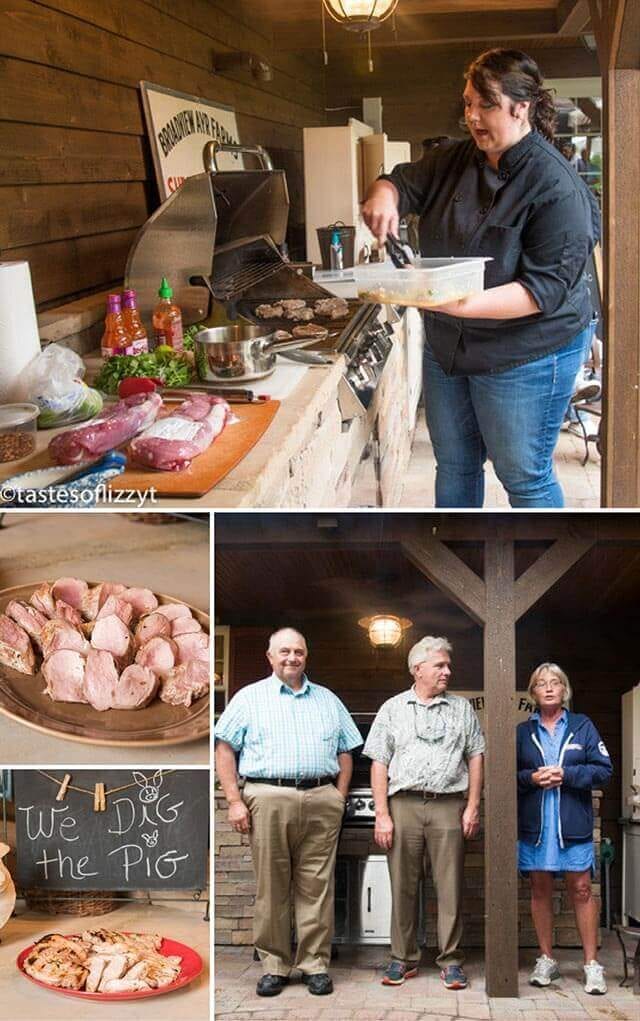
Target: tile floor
{"x":359,"y":996}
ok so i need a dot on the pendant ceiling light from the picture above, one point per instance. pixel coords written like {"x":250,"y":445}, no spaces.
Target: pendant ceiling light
{"x":385,"y":629}
{"x":357,"y":16}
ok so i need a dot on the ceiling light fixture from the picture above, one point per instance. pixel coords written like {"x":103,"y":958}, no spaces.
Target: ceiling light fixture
{"x":385,"y":629}
{"x":357,"y":16}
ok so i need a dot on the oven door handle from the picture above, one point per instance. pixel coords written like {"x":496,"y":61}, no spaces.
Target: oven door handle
{"x":369,"y":899}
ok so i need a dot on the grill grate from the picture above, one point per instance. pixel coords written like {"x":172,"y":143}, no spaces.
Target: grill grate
{"x":233,"y":286}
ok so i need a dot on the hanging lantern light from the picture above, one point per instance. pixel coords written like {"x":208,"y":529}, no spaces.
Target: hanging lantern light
{"x":360,"y":15}
{"x":385,"y":629}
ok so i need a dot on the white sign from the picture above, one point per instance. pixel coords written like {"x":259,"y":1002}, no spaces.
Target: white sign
{"x":178,"y":126}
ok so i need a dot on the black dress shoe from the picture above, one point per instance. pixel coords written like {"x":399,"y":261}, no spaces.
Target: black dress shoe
{"x":271,"y":985}
{"x":319,"y":985}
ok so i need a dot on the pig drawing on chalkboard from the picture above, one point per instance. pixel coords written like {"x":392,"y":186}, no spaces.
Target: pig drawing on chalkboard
{"x":150,"y":789}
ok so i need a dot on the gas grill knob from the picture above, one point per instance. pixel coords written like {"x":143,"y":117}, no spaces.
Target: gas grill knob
{"x":350,"y":810}
{"x":371,"y":806}
{"x":360,"y":804}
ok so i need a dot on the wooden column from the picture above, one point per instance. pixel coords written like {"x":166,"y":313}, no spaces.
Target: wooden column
{"x":616,"y":24}
{"x":500,"y":808}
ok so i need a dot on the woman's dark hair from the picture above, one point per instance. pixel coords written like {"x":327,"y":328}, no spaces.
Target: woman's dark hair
{"x":518,"y":77}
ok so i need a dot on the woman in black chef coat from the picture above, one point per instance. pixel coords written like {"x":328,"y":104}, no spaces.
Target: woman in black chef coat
{"x":500,"y":365}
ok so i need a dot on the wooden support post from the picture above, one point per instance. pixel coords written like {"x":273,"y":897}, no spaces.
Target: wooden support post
{"x":501,"y":881}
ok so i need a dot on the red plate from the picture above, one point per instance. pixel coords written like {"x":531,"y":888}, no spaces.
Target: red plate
{"x":189,"y":969}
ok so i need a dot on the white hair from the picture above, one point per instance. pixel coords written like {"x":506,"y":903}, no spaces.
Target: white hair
{"x":281,"y":631}
{"x":423,"y":649}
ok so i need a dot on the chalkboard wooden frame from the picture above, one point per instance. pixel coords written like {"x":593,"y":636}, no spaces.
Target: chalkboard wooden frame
{"x":153,"y":836}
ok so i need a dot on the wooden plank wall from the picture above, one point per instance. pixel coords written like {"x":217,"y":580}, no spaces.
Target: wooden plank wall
{"x":76,"y":178}
{"x":421,"y":86}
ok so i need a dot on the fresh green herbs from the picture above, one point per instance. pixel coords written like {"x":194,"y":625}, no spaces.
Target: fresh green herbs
{"x":173,"y":369}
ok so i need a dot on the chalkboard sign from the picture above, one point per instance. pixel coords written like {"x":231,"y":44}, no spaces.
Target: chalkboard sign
{"x":152,"y":835}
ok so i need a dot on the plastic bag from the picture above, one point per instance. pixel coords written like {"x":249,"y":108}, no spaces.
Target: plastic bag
{"x":53,"y":381}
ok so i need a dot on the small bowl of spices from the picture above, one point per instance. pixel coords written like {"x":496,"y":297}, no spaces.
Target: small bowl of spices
{"x":18,"y":424}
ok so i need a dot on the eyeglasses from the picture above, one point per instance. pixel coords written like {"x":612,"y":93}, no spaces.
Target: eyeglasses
{"x":548,"y":684}
{"x":429,"y":724}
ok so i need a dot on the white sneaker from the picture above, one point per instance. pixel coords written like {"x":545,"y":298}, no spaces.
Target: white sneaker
{"x":545,"y":971}
{"x":594,"y":982}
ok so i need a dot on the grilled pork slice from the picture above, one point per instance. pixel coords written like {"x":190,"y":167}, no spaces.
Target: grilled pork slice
{"x":97,"y":596}
{"x":112,"y":635}
{"x":116,"y":966}
{"x":122,"y":985}
{"x":135,"y":688}
{"x":26,"y":615}
{"x":142,"y":600}
{"x":71,"y":590}
{"x":102,"y":937}
{"x":64,"y":673}
{"x":173,"y":610}
{"x":153,"y":625}
{"x":186,"y":683}
{"x":192,"y":646}
{"x":59,"y":634}
{"x":117,"y":605}
{"x":58,"y":962}
{"x":16,"y":650}
{"x":184,"y":626}
{"x":66,"y":612}
{"x":43,"y":601}
{"x":100,"y":679}
{"x":158,"y":654}
{"x":96,"y":969}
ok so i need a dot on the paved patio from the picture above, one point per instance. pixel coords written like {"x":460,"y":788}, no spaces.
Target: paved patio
{"x":359,"y":996}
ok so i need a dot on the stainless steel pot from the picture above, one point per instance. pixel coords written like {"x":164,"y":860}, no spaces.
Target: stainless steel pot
{"x":239,"y":353}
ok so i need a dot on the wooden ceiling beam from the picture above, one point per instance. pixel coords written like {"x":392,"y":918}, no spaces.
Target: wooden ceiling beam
{"x":572,"y":17}
{"x":554,"y":563}
{"x":450,"y":574}
{"x":423,"y":29}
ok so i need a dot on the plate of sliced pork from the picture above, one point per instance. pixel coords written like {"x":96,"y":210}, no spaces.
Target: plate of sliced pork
{"x":105,"y":964}
{"x":104,"y":663}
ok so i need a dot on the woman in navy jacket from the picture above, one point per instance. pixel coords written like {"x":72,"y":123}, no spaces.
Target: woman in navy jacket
{"x":561,"y":759}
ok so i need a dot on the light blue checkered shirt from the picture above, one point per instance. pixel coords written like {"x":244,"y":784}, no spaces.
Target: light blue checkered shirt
{"x":287,"y":734}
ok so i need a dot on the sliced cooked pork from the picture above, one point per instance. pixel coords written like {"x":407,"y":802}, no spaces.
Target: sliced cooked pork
{"x":185,"y":683}
{"x":16,"y":650}
{"x":66,"y":612}
{"x":192,"y":646}
{"x":173,"y":610}
{"x":26,"y":615}
{"x":98,"y":595}
{"x":112,"y":635}
{"x":158,"y":654}
{"x":142,"y":600}
{"x":59,"y":634}
{"x":153,"y":625}
{"x":136,"y":687}
{"x":117,"y":605}
{"x":100,"y":679}
{"x":72,"y":590}
{"x":64,"y":673}
{"x":96,"y":968}
{"x":185,"y":626}
{"x":43,"y":600}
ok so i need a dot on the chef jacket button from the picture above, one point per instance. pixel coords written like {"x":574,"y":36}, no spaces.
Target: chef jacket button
{"x":457,"y":198}
{"x":503,"y":175}
{"x":485,"y":209}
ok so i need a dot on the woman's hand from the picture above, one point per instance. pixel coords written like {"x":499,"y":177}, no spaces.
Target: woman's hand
{"x":380,"y":210}
{"x":548,"y":776}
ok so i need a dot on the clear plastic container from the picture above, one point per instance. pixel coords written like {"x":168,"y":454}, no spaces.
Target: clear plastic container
{"x":18,"y":424}
{"x":427,"y":282}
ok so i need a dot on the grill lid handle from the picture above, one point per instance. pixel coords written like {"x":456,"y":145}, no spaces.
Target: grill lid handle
{"x":211,"y":150}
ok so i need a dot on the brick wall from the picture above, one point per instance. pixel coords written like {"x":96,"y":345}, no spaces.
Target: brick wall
{"x":235,"y":887}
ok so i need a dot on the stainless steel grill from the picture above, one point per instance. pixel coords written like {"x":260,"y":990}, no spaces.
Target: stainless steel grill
{"x":217,"y":237}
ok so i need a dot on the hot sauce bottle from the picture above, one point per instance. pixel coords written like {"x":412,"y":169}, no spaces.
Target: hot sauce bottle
{"x":115,"y":339}
{"x":167,"y":320}
{"x":138,"y":339}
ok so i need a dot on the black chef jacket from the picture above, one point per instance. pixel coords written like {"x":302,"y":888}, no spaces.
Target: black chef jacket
{"x":535,"y":218}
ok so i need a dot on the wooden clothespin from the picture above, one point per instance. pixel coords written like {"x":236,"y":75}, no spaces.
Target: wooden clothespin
{"x":62,"y":791}
{"x":99,"y":801}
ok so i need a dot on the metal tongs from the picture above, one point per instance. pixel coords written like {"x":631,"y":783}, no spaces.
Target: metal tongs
{"x":401,"y":255}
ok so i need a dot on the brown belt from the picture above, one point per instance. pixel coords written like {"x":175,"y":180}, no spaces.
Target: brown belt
{"x":428,"y":795}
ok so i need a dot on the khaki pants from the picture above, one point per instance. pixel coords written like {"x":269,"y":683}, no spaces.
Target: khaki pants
{"x":294,"y":837}
{"x":433,"y":826}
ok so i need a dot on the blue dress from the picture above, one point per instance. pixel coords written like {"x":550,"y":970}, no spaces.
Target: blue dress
{"x":548,"y":855}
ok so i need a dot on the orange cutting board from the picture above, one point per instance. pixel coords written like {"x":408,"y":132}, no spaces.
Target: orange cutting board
{"x":208,"y":468}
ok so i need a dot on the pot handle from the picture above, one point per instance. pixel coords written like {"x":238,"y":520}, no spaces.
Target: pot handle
{"x":273,"y":346}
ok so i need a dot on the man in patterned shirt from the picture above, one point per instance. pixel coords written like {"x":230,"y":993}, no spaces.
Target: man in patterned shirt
{"x":294,"y":741}
{"x":426,"y":774}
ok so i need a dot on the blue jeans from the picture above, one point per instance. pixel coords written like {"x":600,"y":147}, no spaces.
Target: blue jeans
{"x":512,"y":417}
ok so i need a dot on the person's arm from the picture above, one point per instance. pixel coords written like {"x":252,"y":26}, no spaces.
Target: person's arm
{"x":509,"y":301}
{"x":596,"y":771}
{"x":345,"y":769}
{"x":238,"y":815}
{"x":471,"y":814}
{"x":383,"y":831}
{"x":380,"y":209}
